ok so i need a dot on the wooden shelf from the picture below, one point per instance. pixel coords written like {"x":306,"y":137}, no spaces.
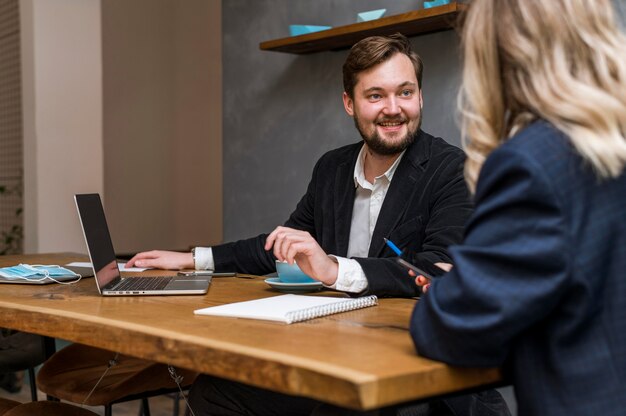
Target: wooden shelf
{"x":412,"y":23}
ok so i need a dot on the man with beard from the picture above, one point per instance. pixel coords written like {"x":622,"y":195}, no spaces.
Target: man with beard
{"x":399,"y":183}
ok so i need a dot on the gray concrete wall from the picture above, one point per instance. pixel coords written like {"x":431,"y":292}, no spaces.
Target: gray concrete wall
{"x":282,"y":111}
{"x":621,"y":9}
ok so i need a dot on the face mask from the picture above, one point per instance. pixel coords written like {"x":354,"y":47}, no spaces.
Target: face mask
{"x":17,"y":271}
{"x":34,"y":272}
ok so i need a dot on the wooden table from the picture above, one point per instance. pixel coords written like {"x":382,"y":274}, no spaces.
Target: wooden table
{"x":362,"y":359}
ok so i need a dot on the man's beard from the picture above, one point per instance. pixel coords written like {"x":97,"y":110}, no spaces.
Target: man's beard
{"x":377,"y":145}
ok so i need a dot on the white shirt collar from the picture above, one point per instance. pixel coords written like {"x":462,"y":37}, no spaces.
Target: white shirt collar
{"x":359,"y":174}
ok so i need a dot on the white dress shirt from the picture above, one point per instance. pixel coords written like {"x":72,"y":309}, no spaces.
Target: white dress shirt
{"x":368,"y":201}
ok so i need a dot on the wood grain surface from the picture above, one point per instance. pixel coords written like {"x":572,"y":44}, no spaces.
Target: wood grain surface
{"x":362,"y":359}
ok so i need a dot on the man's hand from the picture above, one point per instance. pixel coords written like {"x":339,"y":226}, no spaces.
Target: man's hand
{"x":424,"y":282}
{"x":158,"y":259}
{"x":294,"y":245}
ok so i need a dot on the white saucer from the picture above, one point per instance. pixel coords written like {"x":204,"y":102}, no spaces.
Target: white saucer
{"x":293,"y":287}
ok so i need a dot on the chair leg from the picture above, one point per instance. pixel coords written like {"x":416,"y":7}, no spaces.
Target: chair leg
{"x":108,"y":410}
{"x":145,"y":405}
{"x":33,"y":384}
{"x":176,"y":404}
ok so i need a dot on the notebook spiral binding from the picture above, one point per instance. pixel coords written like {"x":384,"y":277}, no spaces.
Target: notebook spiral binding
{"x":323,"y":310}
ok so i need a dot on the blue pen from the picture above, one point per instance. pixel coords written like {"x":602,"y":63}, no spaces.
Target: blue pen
{"x":405,"y":263}
{"x":393,"y":247}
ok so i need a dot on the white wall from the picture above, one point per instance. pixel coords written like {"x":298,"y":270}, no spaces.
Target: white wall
{"x":62,"y":118}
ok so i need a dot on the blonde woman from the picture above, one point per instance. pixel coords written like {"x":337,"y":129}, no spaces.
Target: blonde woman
{"x":539,"y":283}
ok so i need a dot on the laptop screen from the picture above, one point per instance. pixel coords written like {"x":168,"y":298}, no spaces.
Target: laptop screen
{"x":98,"y":239}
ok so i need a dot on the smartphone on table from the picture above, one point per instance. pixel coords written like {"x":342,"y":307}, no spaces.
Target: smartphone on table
{"x":205,"y":273}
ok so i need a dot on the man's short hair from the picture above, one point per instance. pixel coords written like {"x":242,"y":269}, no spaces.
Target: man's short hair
{"x":374,"y":50}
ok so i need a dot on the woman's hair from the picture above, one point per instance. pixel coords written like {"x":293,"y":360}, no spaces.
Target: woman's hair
{"x":374,"y":50}
{"x":563,"y":61}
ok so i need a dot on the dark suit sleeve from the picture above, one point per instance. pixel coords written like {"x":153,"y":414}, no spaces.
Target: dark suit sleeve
{"x":249,"y":255}
{"x":244,"y":256}
{"x":509,"y":273}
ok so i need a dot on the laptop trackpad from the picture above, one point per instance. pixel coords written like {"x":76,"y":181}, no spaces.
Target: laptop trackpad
{"x":191,"y":284}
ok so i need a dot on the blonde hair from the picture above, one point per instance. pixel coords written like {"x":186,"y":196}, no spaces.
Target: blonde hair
{"x":563,"y":61}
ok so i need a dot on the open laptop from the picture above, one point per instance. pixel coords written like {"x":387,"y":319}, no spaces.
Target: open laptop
{"x":108,"y":277}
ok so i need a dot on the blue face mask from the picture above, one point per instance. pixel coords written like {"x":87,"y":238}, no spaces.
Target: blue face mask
{"x":35,"y":272}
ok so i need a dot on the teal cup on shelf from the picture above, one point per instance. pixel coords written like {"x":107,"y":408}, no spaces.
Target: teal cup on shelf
{"x":296,"y":30}
{"x":291,"y":273}
{"x":435,"y":3}
{"x":370,"y":15}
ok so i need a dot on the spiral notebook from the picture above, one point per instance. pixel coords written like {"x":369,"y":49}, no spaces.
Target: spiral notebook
{"x":289,"y":308}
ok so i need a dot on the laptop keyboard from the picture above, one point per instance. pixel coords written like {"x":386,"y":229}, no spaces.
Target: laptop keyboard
{"x":144,"y":283}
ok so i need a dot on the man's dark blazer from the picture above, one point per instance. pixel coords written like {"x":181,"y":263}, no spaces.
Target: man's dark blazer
{"x":424,"y":212}
{"x":539,"y":284}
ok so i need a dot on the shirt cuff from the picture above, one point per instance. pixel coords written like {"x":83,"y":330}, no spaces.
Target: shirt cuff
{"x":204,"y":259}
{"x":350,"y":276}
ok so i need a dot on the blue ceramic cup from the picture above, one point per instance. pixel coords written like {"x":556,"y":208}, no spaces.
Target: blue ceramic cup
{"x":291,"y":273}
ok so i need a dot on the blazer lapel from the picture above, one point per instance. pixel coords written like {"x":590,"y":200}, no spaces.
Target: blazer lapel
{"x":398,"y":196}
{"x":343,"y":204}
